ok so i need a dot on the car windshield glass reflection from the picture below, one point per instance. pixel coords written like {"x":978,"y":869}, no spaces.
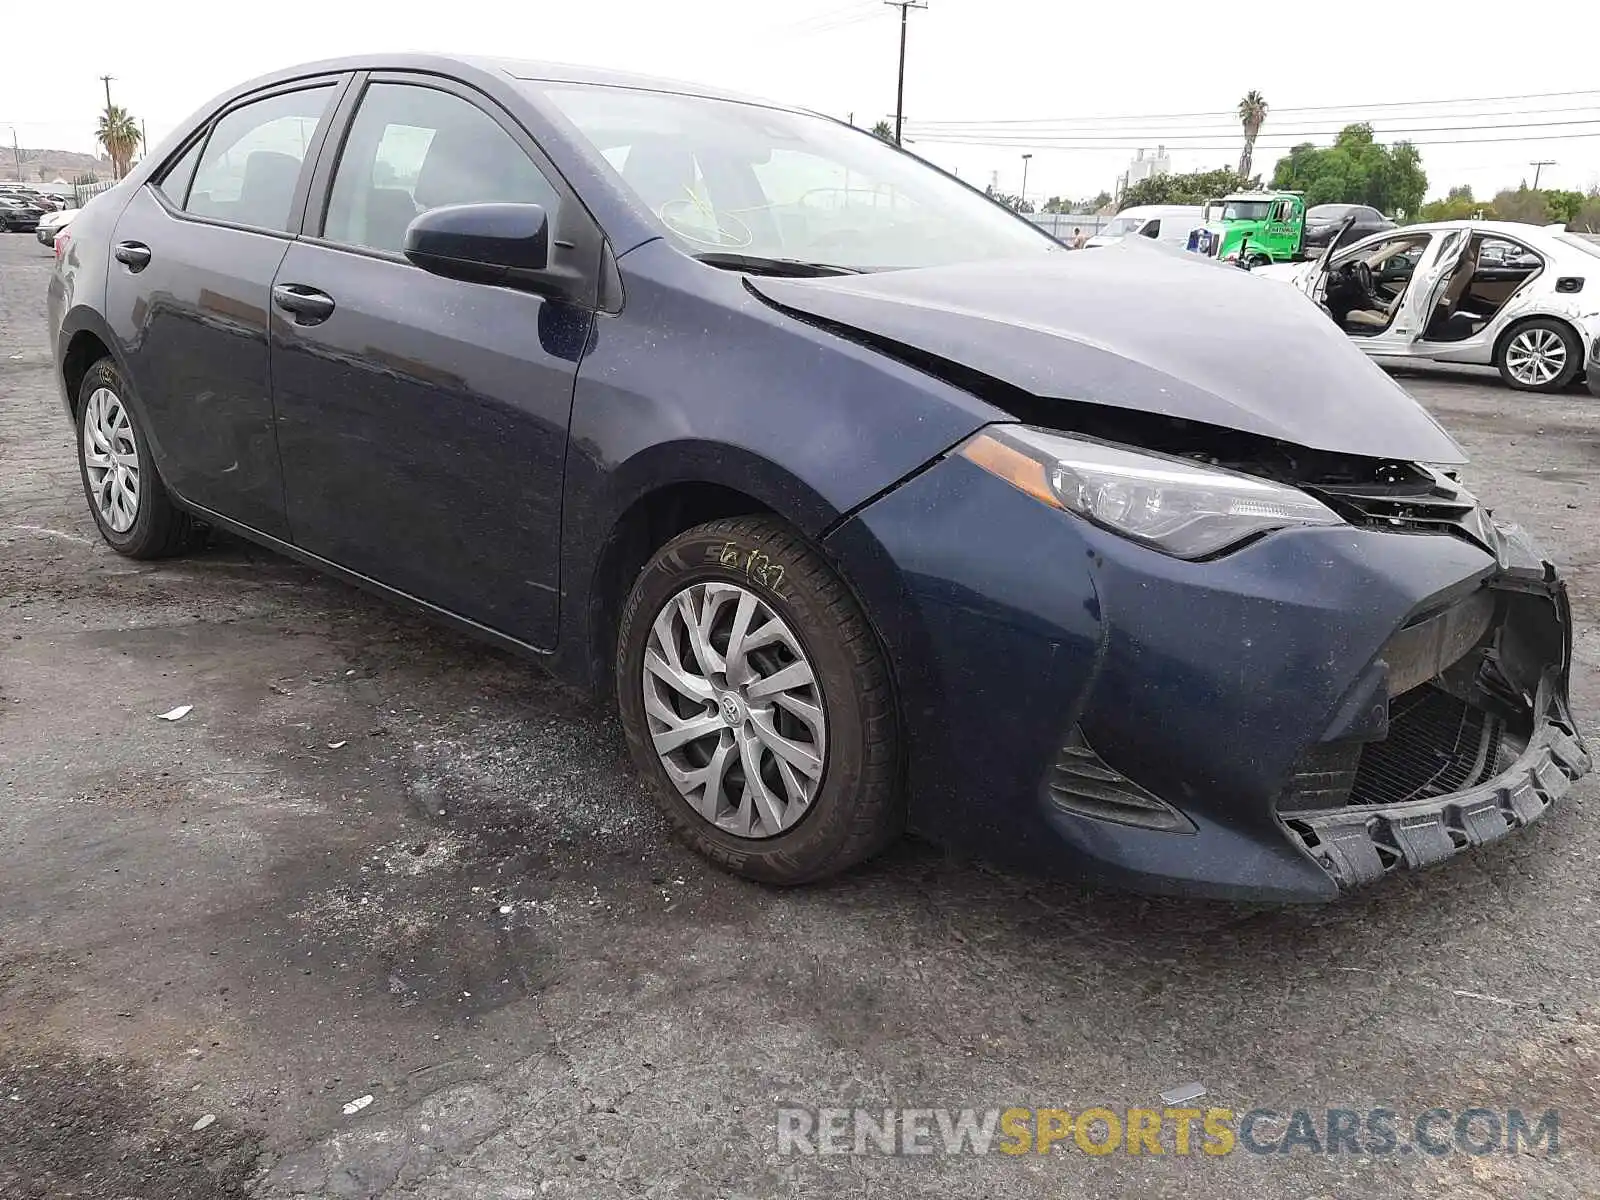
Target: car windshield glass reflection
{"x":767,"y":183}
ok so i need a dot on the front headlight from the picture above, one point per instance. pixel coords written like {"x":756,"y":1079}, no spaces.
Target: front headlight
{"x":1183,"y":508}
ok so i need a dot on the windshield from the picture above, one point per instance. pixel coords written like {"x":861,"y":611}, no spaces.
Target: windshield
{"x":1246,"y":210}
{"x":1580,"y":242}
{"x":1123,"y":226}
{"x":740,"y":178}
{"x":1330,"y":212}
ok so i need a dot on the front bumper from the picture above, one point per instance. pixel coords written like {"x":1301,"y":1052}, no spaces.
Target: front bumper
{"x":1358,"y":844}
{"x":1023,"y":637}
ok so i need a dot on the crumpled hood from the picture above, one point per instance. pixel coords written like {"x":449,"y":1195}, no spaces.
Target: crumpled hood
{"x":1143,"y":327}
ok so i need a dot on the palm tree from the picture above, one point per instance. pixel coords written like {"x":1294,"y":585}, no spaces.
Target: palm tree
{"x":118,"y":132}
{"x":884,"y":130}
{"x":1252,"y":115}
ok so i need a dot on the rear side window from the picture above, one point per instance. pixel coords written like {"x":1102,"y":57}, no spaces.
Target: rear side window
{"x":251,"y":164}
{"x":412,"y":148}
{"x":175,"y":180}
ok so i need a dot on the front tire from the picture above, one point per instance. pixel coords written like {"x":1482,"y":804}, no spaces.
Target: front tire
{"x":1541,"y":355}
{"x":757,"y":702}
{"x":126,"y":497}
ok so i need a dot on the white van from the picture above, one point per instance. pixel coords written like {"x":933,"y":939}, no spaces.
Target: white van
{"x":1169,"y":223}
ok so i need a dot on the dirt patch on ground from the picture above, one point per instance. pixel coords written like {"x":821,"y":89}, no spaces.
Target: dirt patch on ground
{"x":79,"y":1126}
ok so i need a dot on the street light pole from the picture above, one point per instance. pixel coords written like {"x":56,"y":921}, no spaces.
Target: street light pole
{"x":1023,"y":198}
{"x":900,"y":82}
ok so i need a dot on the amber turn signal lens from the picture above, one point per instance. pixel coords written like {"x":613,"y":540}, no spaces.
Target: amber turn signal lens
{"x":1016,"y":468}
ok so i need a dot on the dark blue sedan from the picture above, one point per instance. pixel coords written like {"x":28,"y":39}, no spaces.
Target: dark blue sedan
{"x":871,"y":506}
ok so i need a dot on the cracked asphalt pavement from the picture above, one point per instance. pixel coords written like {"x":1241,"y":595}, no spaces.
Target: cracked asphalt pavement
{"x":380,"y":860}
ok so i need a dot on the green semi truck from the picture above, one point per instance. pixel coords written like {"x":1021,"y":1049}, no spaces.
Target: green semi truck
{"x":1254,"y":228}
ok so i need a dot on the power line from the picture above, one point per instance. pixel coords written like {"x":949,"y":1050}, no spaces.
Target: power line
{"x":1135,"y":129}
{"x":1177,"y":139}
{"x":1280,"y":111}
{"x":1048,"y":144}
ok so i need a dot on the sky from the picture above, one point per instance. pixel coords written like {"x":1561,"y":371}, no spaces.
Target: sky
{"x":1079,"y":87}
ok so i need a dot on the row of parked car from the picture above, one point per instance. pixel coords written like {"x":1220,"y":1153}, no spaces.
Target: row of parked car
{"x":28,"y":210}
{"x":25,"y":209}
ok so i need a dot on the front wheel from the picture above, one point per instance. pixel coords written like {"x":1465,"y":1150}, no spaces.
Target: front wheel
{"x":757,"y":702}
{"x":1542,"y":355}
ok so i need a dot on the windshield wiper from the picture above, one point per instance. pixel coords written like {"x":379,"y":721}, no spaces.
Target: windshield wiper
{"x":758,"y":264}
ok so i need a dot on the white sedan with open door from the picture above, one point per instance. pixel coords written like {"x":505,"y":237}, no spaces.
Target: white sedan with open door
{"x":1520,"y":298}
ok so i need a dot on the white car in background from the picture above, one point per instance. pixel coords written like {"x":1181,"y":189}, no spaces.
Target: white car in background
{"x":1168,"y":223}
{"x":53,"y":223}
{"x":1520,"y":298}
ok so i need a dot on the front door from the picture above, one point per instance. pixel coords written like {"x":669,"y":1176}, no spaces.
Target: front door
{"x":423,"y":421}
{"x":195,"y":251}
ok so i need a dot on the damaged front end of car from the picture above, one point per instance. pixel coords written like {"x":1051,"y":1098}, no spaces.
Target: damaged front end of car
{"x":1121,"y":662}
{"x":1467,"y":734}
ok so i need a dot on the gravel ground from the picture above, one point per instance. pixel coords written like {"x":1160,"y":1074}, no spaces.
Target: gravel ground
{"x":378,"y":860}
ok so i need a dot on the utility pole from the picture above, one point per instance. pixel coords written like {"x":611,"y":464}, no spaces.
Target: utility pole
{"x":106,"y":79}
{"x":1023,"y":198}
{"x":16,"y":153}
{"x":900,"y":84}
{"x":1539,"y":166}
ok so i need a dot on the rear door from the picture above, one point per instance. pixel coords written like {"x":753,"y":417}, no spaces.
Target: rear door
{"x":423,"y":420}
{"x":195,"y":251}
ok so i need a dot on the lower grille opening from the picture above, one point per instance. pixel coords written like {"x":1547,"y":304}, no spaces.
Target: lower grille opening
{"x":1437,"y":744}
{"x":1083,"y":783}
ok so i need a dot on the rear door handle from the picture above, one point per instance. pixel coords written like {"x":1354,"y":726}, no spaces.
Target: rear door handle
{"x":305,"y":304}
{"x":134,"y":255}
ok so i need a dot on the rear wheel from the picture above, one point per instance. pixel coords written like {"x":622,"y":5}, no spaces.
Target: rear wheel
{"x":756,"y":700}
{"x":1541,"y":355}
{"x":130,"y":505}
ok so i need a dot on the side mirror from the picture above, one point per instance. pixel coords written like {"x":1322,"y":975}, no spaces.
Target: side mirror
{"x":482,"y":243}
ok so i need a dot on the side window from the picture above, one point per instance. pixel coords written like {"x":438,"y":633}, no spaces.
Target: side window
{"x":412,"y":148}
{"x":175,"y":180}
{"x":252,"y":160}
{"x":1153,"y":229}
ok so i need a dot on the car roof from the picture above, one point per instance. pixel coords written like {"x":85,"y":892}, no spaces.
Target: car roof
{"x":1516,"y":229}
{"x":509,"y":68}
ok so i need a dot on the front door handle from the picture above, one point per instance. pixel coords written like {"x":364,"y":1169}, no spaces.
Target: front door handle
{"x":134,"y":255}
{"x":306,"y":305}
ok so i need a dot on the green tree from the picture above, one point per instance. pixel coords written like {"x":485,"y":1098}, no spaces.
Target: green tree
{"x":1194,"y":188}
{"x":1522,"y":204}
{"x":884,"y":130}
{"x":1457,"y":205}
{"x":1563,"y":206}
{"x":1252,"y":115}
{"x":1356,"y":170}
{"x":1014,"y":203}
{"x":1587,"y":219}
{"x":118,"y":132}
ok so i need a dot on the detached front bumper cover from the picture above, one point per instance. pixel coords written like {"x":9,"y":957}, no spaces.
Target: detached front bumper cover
{"x":1360,"y":844}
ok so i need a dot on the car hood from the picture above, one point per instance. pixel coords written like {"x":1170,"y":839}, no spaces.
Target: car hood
{"x":1140,"y":327}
